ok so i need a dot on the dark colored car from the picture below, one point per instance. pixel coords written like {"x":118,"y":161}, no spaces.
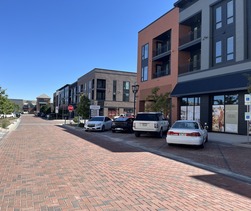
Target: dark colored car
{"x":123,"y":124}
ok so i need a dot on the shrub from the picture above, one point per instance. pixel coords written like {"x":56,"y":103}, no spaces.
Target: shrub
{"x":5,"y":123}
{"x":76,"y":119}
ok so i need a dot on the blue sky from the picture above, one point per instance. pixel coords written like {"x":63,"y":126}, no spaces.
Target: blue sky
{"x":45,"y":44}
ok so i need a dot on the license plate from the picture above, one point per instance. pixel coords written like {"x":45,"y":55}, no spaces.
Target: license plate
{"x":182,"y":134}
{"x":144,"y":124}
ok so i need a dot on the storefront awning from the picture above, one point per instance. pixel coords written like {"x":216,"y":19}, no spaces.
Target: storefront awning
{"x":216,"y":84}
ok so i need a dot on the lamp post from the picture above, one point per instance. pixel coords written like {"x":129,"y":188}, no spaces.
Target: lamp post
{"x":135,"y":89}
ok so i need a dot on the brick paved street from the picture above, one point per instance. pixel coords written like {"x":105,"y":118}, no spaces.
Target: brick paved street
{"x":47,"y":167}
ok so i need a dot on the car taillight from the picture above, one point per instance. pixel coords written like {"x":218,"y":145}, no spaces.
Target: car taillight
{"x":194,"y":134}
{"x":171,"y":133}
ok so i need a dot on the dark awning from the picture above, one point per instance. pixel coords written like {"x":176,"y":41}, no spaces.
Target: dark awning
{"x":223,"y":83}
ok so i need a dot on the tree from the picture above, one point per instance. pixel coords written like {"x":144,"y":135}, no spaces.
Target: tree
{"x":46,"y":109}
{"x":6,"y":106}
{"x":83,"y":107}
{"x":158,"y":102}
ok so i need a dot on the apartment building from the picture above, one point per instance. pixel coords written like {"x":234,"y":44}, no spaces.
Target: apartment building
{"x":157,"y":64}
{"x":111,"y":90}
{"x":214,"y":62}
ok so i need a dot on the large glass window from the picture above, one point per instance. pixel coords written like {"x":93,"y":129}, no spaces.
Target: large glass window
{"x":144,"y":51}
{"x":218,"y":17}
{"x":225,"y":113}
{"x":126,"y":91}
{"x":230,"y":12}
{"x":223,"y":32}
{"x":190,"y":108}
{"x":114,"y":90}
{"x":230,"y":48}
{"x":144,"y":73}
{"x":218,"y":52}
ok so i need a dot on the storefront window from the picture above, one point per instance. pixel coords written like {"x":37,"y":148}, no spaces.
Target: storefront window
{"x":225,"y":113}
{"x":190,"y":108}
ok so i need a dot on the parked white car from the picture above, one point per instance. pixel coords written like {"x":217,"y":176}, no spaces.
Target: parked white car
{"x":7,"y":115}
{"x":187,"y":132}
{"x":98,"y":123}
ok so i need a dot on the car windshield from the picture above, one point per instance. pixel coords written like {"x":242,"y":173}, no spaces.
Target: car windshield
{"x":186,"y":125}
{"x":98,"y":118}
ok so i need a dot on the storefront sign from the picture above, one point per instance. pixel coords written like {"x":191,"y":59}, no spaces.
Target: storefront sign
{"x":247,"y":116}
{"x":247,"y":99}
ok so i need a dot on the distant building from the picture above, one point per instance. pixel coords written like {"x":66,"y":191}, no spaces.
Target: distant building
{"x":110,"y":90}
{"x":27,"y":106}
{"x":42,"y":100}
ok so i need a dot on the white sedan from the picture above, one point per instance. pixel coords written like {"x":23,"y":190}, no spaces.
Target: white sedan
{"x":187,"y":132}
{"x":98,"y":123}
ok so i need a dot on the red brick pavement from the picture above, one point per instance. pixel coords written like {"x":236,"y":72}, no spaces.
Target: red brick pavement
{"x":44,"y":167}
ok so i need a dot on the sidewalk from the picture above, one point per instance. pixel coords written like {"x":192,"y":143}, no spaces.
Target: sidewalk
{"x":234,"y":139}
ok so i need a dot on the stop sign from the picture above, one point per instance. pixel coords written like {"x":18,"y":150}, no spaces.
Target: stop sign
{"x":70,"y":108}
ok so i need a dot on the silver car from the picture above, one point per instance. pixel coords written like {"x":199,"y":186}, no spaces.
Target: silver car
{"x":187,"y":132}
{"x":98,"y":123}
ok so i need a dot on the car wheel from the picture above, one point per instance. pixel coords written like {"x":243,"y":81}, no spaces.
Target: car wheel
{"x":103,"y":128}
{"x":113,"y":131}
{"x":202,"y":145}
{"x":160,"y":134}
{"x":137,"y":134}
{"x":206,"y":139}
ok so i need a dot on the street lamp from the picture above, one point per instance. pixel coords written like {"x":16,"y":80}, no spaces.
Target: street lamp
{"x":135,"y":89}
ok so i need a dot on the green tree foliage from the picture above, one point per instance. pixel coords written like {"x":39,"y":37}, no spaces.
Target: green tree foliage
{"x":158,"y":102}
{"x":46,"y":109}
{"x":6,"y":106}
{"x":83,"y":107}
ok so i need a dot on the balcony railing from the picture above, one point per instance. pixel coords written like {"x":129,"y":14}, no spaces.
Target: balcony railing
{"x":191,"y":36}
{"x":163,"y":49}
{"x":189,"y":67}
{"x":161,"y":73}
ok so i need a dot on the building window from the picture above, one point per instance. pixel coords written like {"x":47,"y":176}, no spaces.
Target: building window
{"x":190,"y":108}
{"x":100,"y":94}
{"x":223,"y":32}
{"x":218,"y":17}
{"x":144,"y":51}
{"x":230,"y":48}
{"x":225,"y":113}
{"x":101,"y":84}
{"x":230,"y":12}
{"x":218,"y":52}
{"x":126,"y":91}
{"x":114,"y":90}
{"x":144,"y":73}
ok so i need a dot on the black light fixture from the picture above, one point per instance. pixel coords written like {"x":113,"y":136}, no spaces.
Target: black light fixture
{"x":135,"y":89}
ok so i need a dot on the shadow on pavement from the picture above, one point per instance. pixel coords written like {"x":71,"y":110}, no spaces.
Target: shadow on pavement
{"x":104,"y":142}
{"x":226,"y":183}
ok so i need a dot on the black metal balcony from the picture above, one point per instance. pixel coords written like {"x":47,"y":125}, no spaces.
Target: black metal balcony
{"x":189,"y":67}
{"x":191,"y":36}
{"x":164,"y":49}
{"x":161,"y":73}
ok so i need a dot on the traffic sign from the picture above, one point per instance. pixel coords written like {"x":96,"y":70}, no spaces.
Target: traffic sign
{"x":70,"y":108}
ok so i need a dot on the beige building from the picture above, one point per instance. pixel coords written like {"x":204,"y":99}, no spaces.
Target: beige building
{"x":42,"y":100}
{"x":110,"y":90}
